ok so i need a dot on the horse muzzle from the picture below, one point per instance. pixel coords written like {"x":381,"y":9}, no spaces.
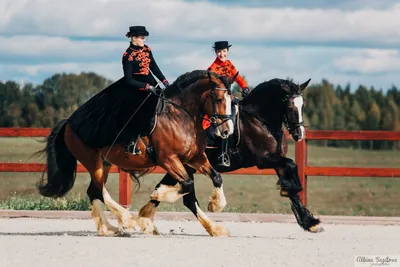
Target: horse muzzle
{"x":298,"y":133}
{"x":225,"y":129}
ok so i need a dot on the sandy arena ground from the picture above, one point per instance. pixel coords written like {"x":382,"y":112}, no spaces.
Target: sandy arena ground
{"x":70,"y":242}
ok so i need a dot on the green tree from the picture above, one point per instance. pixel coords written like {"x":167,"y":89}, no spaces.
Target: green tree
{"x":372,"y":121}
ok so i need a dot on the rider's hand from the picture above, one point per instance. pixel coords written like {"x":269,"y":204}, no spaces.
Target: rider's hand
{"x":245,"y":91}
{"x":152,"y":89}
{"x":155,"y":90}
{"x":166,"y":83}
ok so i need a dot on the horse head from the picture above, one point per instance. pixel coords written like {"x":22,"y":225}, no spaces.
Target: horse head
{"x":206,"y":93}
{"x":279,"y":102}
{"x":293,"y":115}
{"x":217,"y":99}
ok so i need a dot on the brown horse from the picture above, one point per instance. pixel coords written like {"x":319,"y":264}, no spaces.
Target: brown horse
{"x":258,"y":141}
{"x":176,"y":139}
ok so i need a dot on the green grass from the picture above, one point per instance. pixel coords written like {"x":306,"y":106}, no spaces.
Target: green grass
{"x":18,"y":202}
{"x":245,"y":193}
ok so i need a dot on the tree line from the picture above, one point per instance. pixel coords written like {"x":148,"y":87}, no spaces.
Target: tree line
{"x":328,"y":107}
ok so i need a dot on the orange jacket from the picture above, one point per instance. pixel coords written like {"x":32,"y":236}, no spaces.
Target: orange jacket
{"x":206,"y":123}
{"x":227,"y":69}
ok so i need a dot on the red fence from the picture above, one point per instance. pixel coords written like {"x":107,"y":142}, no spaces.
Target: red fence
{"x":304,"y":169}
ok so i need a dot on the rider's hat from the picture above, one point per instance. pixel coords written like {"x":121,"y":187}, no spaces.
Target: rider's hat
{"x":137,"y":31}
{"x":221,"y":45}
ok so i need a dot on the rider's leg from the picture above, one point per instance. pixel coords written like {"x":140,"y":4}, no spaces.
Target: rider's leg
{"x":224,"y":157}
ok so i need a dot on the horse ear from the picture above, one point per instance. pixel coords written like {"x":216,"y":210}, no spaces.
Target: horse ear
{"x":234,"y":77}
{"x":304,"y":85}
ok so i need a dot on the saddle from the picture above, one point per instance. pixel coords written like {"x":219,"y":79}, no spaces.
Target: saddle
{"x":131,"y":146}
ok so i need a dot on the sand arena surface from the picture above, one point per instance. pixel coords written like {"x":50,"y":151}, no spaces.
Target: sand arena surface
{"x":70,"y":242}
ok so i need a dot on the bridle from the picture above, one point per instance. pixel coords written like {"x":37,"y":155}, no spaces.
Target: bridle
{"x":213,"y":119}
{"x":290,"y":125}
{"x":223,"y":117}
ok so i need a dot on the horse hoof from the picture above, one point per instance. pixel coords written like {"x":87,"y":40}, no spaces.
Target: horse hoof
{"x":146,"y":226}
{"x":155,"y":231}
{"x":110,"y":232}
{"x":212,"y":207}
{"x":316,"y":229}
{"x":219,"y":230}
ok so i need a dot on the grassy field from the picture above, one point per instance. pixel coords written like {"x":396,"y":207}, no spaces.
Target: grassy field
{"x":326,"y":195}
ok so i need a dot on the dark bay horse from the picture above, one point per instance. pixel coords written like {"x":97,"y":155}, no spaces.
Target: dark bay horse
{"x":177,"y":139}
{"x":259,"y":141}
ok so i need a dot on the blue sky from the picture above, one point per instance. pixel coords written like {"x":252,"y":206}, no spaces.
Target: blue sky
{"x":354,"y":42}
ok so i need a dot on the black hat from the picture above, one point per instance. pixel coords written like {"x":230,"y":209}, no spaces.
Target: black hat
{"x":221,"y":45}
{"x":137,"y":31}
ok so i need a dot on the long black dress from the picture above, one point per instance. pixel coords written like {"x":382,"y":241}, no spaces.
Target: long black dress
{"x":98,"y":121}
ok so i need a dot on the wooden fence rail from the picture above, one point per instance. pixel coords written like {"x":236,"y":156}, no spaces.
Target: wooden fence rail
{"x":125,"y":186}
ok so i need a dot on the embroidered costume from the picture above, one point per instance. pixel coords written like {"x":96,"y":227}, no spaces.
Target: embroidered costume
{"x":224,"y":68}
{"x":107,"y":118}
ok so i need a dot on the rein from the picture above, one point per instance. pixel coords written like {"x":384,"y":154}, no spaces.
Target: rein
{"x":168,"y":101}
{"x":212,"y":119}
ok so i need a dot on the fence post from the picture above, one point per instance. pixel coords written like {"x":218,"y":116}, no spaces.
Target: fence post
{"x":125,"y":189}
{"x":301,"y":161}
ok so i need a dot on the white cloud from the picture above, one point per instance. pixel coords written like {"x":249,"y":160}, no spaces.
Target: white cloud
{"x":201,"y":21}
{"x":370,"y":61}
{"x":26,"y":73}
{"x":256,"y":63}
{"x":316,"y":41}
{"x":56,"y":47}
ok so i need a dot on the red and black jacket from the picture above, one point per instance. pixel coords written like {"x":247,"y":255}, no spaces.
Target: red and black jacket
{"x":227,"y":69}
{"x":135,"y":62}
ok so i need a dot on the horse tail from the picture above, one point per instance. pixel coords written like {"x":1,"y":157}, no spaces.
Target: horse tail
{"x":61,"y":164}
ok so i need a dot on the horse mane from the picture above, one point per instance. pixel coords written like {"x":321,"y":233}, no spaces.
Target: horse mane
{"x":271,"y":91}
{"x":287,"y":86}
{"x":183,"y":81}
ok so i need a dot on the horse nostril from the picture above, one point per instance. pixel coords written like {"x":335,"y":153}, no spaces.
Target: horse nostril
{"x":226,"y":132}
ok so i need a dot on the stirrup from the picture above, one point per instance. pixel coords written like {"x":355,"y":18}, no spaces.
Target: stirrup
{"x":225,"y":161}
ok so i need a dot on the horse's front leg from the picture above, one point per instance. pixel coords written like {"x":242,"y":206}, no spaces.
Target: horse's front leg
{"x":290,"y":186}
{"x":217,"y":200}
{"x":169,"y":190}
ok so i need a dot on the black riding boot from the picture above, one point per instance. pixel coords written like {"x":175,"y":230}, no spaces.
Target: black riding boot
{"x":224,"y":157}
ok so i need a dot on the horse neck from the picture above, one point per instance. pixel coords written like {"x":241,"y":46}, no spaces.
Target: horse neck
{"x":269,"y":109}
{"x":190,"y":99}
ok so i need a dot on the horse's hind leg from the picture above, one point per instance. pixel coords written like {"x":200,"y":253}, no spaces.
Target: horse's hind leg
{"x":91,"y":159}
{"x":125,"y":219}
{"x":96,"y":198}
{"x":290,"y":186}
{"x":143,"y":223}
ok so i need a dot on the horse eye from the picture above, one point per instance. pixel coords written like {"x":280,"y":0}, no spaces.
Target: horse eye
{"x":219,"y":100}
